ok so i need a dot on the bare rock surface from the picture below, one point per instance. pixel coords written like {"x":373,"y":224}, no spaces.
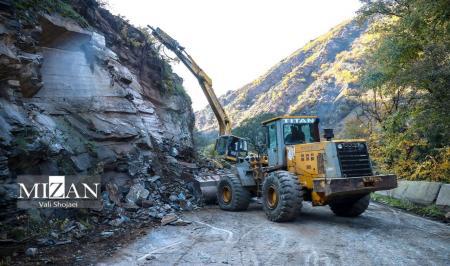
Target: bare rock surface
{"x":83,"y":92}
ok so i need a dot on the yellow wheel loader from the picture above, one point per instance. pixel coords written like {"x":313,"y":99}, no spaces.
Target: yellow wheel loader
{"x":302,"y":167}
{"x":298,"y":166}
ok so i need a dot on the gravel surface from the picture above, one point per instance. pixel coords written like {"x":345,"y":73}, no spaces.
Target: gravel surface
{"x":381,"y":236}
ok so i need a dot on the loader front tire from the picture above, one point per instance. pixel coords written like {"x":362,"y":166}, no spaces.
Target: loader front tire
{"x":350,"y":207}
{"x":231,"y":195}
{"x":282,"y":196}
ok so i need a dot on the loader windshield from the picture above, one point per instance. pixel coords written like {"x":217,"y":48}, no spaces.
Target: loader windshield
{"x":299,"y":133}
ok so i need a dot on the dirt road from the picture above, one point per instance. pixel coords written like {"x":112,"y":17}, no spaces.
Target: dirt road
{"x":381,"y":236}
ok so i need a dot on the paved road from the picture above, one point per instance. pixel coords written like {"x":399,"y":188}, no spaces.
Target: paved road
{"x":381,"y":236}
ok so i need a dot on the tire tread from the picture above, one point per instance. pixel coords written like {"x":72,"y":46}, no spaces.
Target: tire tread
{"x":290,"y":197}
{"x":350,"y":207}
{"x":240,"y":198}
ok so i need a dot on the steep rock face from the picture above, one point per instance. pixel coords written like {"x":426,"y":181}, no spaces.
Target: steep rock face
{"x":318,"y":79}
{"x":86,"y":99}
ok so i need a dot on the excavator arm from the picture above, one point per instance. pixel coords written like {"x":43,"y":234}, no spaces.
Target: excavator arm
{"x":202,"y":78}
{"x":231,"y":148}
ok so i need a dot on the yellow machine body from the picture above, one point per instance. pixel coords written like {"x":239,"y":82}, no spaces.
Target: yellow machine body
{"x":306,"y":161}
{"x":325,"y":168}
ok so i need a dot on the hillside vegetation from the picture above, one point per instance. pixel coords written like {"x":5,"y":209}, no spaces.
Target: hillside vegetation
{"x":316,"y":79}
{"x":407,"y":77}
{"x":383,"y":76}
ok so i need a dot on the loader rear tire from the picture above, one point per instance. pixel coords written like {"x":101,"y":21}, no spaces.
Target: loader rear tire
{"x":231,"y":195}
{"x":282,"y":196}
{"x":351,"y":207}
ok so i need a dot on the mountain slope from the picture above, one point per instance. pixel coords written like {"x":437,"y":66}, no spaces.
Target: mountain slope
{"x":320,"y":79}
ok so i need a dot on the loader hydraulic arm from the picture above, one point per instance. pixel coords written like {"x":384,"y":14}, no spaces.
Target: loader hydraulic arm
{"x":203,"y":79}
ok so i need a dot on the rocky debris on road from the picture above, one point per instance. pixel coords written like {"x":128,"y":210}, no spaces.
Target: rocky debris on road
{"x":168,"y":219}
{"x":31,"y":252}
{"x":77,"y":97}
{"x":173,"y":219}
{"x":157,"y":195}
{"x":180,"y":222}
{"x":129,"y":126}
{"x":149,"y":200}
{"x":137,"y":193}
{"x":106,"y":233}
{"x":119,"y":221}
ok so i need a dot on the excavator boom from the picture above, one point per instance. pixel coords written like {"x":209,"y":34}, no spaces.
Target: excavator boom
{"x":203,"y":79}
{"x":232,"y":148}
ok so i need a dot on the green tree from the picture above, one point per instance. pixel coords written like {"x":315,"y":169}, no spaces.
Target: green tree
{"x":408,"y":76}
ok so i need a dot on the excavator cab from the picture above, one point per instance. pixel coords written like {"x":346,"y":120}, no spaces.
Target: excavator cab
{"x":231,"y":147}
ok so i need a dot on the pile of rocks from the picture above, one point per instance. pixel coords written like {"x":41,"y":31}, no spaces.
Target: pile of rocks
{"x":150,"y":197}
{"x":91,"y":99}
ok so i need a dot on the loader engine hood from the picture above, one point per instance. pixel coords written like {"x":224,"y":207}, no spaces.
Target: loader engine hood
{"x":345,"y":158}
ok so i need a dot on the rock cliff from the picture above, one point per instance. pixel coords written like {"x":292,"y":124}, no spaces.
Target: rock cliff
{"x":84,"y":92}
{"x":321,"y":79}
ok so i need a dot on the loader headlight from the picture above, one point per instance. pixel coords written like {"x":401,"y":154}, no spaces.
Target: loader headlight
{"x":339,"y":146}
{"x":361,"y":146}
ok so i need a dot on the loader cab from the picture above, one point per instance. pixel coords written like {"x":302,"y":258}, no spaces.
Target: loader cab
{"x":232,"y":148}
{"x":289,"y":130}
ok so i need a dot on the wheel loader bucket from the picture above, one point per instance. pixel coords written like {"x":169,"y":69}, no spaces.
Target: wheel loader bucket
{"x":208,"y":187}
{"x":202,"y":185}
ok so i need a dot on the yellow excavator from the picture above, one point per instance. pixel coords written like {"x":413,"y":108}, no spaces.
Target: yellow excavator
{"x":299,"y":165}
{"x":229,"y":147}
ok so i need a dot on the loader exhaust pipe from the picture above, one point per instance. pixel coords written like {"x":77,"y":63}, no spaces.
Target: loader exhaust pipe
{"x":328,"y":134}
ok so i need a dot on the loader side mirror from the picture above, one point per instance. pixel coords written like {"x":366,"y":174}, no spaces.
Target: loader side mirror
{"x":328,"y":134}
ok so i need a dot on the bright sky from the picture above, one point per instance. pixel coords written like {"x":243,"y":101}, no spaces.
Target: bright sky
{"x":235,"y":41}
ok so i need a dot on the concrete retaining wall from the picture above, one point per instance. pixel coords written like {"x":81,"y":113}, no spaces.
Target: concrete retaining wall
{"x":421,"y":192}
{"x":443,"y":198}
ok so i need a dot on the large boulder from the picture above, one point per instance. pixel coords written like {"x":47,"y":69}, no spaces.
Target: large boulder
{"x":137,"y":193}
{"x":82,"y":161}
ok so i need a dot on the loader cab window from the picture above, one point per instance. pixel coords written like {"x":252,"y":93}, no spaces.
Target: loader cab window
{"x":272,"y":136}
{"x":299,"y":133}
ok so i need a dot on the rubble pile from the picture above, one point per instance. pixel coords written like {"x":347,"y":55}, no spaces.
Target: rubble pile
{"x":150,"y":197}
{"x":83,"y":92}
